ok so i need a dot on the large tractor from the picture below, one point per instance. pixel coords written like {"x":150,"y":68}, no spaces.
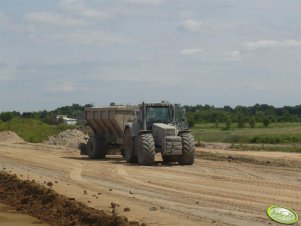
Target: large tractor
{"x":140,"y":132}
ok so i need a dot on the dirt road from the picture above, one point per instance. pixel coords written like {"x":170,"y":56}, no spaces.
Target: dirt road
{"x":206,"y":193}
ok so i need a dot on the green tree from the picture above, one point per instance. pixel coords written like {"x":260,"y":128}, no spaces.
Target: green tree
{"x":252,"y":122}
{"x":241,"y":120}
{"x":6,"y":116}
{"x":191,"y":119}
{"x":259,"y":115}
{"x":266,"y":121}
{"x":216,"y":123}
{"x":228,"y":123}
{"x":60,"y":121}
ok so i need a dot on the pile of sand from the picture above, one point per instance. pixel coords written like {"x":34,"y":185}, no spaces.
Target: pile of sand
{"x":10,"y":137}
{"x":70,"y":138}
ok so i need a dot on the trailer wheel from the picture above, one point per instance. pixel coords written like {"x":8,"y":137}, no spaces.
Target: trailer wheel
{"x":169,"y":158}
{"x":83,"y":148}
{"x":146,"y":149}
{"x":96,"y":147}
{"x":188,"y":150}
{"x":129,"y":147}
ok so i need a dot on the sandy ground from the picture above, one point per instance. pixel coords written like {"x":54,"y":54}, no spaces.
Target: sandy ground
{"x":206,"y":193}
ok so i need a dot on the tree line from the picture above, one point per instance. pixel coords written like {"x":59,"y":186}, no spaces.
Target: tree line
{"x":49,"y":117}
{"x":259,"y":113}
{"x":242,"y":115}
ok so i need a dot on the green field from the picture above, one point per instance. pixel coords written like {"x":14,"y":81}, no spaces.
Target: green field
{"x":32,"y":130}
{"x":275,"y":133}
{"x":275,"y":137}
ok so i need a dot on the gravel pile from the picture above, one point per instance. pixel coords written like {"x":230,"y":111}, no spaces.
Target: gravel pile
{"x":70,"y":138}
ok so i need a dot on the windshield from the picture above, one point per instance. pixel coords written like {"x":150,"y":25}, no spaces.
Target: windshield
{"x":158,"y":114}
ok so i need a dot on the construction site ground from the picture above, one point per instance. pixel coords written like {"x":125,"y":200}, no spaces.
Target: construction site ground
{"x":218,"y":189}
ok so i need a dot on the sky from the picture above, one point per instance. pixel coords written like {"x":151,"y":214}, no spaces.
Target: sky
{"x":219,"y":52}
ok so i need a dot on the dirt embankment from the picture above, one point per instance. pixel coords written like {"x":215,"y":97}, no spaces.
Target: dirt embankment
{"x":50,"y":207}
{"x":10,"y":137}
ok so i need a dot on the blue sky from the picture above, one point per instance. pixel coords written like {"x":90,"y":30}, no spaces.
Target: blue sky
{"x":218,"y":52}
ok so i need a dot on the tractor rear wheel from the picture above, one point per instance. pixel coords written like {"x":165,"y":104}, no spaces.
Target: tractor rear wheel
{"x":146,"y":149}
{"x":129,"y":147}
{"x":188,"y":149}
{"x":96,"y":147}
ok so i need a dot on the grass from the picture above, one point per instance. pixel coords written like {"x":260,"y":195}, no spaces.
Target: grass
{"x":275,"y":133}
{"x":32,"y":130}
{"x":267,"y":147}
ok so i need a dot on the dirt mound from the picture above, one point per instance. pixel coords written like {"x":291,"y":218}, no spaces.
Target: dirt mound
{"x":10,"y":137}
{"x":50,"y":207}
{"x":70,"y":138}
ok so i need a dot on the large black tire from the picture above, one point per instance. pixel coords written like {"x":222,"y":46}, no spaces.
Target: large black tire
{"x":146,"y":149}
{"x":129,"y":147}
{"x":96,"y":147}
{"x":169,"y":158}
{"x":188,"y":149}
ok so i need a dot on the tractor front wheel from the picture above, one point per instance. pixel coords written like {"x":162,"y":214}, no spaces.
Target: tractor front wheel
{"x":188,"y":149}
{"x":146,"y":149}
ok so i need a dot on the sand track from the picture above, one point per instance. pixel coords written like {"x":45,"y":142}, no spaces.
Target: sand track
{"x":206,"y":193}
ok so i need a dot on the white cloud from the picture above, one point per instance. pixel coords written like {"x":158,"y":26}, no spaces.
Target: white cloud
{"x":53,"y":19}
{"x":188,"y":52}
{"x":92,"y":38}
{"x":62,"y":88}
{"x":78,"y":7}
{"x":95,"y":14}
{"x":7,"y":23}
{"x":232,"y":55}
{"x":72,"y":5}
{"x":81,"y":38}
{"x":265,"y":44}
{"x":146,"y":2}
{"x":191,"y":25}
